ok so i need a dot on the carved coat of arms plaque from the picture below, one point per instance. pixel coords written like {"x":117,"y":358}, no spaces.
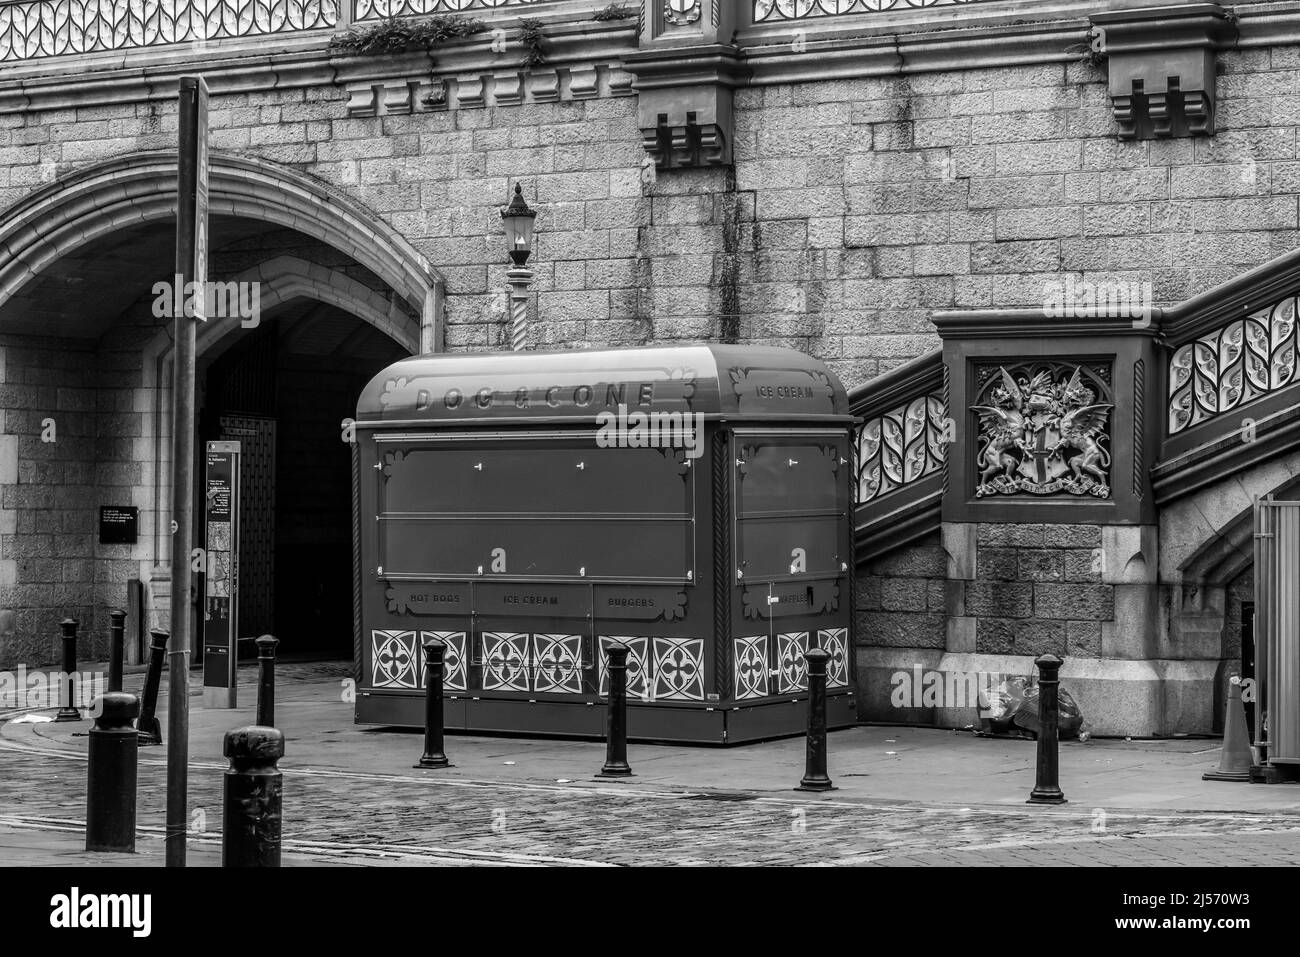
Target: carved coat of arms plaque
{"x":1043,"y":432}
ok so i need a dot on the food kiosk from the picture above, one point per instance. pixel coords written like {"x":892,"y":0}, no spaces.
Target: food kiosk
{"x":529,"y":508}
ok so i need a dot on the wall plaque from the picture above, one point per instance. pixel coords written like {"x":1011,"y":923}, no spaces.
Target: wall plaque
{"x":118,"y":524}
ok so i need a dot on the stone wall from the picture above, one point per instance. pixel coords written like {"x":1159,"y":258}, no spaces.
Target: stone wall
{"x":1038,"y":590}
{"x":48,"y":567}
{"x":902,"y":623}
{"x":901,"y":597}
{"x":854,"y":210}
{"x":856,"y":207}
{"x":880,"y":200}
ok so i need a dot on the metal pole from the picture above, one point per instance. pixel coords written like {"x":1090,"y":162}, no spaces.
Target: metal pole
{"x":111,"y":776}
{"x":519,"y":277}
{"x":1046,"y":788}
{"x":266,"y":680}
{"x":116,"y":640}
{"x":67,"y":707}
{"x":616,"y":765}
{"x":190,"y":256}
{"x":815,"y":777}
{"x":433,"y":756}
{"x":253,"y":794}
{"x":148,"y":728}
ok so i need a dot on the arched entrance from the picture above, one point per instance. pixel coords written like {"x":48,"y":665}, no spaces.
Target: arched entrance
{"x":341,"y":295}
{"x":1215,"y":595}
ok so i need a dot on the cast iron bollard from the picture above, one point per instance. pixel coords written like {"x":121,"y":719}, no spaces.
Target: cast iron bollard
{"x":266,"y":680}
{"x":1046,"y":787}
{"x":116,"y":641}
{"x":150,"y":731}
{"x":110,"y":780}
{"x":253,"y":791}
{"x":616,"y":765}
{"x":814,"y":775}
{"x":67,"y":707}
{"x":433,"y":757}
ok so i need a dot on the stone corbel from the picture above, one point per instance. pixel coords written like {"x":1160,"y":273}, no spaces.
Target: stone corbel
{"x":684,"y":103}
{"x":1161,"y":64}
{"x":384,"y":97}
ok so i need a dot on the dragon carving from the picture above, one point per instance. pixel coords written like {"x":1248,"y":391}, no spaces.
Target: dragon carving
{"x":1030,"y":427}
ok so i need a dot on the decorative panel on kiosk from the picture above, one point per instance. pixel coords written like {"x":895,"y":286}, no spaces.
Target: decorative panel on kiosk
{"x":791,"y":506}
{"x":564,"y":510}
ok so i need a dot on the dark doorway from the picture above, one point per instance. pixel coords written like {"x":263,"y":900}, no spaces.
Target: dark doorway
{"x":283,"y":392}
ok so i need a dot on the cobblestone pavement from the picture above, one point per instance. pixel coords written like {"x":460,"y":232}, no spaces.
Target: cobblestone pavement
{"x":342,"y":816}
{"x":398,"y":819}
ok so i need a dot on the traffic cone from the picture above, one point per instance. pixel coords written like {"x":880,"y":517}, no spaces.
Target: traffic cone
{"x":1234,"y":764}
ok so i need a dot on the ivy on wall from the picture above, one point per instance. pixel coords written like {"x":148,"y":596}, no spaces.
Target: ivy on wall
{"x":405,"y":36}
{"x":534,"y":41}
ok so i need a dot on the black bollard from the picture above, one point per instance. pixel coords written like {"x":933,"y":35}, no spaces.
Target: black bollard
{"x":433,"y":757}
{"x":1046,"y":787}
{"x":266,"y":680}
{"x":67,"y":706}
{"x":616,"y":765}
{"x":253,"y":792}
{"x":116,"y":641}
{"x":150,"y":731}
{"x":814,"y":775}
{"x":110,"y":781}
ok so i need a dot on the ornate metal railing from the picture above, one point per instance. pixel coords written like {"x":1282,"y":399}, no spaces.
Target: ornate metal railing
{"x":368,"y":10}
{"x":901,"y":437}
{"x":900,"y":446}
{"x":35,"y":29}
{"x":774,"y":10}
{"x":46,"y":28}
{"x":1244,"y":360}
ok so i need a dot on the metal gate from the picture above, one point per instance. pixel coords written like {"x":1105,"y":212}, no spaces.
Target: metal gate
{"x":256,"y":523}
{"x":1277,"y":631}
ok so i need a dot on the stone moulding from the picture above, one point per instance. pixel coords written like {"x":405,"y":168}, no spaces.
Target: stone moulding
{"x":93,"y":202}
{"x":684,"y":103}
{"x":475,"y":91}
{"x":1161,"y":66}
{"x":300,"y":60}
{"x":960,"y":37}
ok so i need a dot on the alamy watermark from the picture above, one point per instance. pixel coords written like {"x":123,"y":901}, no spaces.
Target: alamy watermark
{"x":1105,"y":299}
{"x":22,"y":689}
{"x":651,"y":430}
{"x":208,"y":300}
{"x":75,"y":910}
{"x":924,"y":688}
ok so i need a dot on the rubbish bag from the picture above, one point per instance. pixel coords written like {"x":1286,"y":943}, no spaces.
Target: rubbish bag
{"x":998,"y":706}
{"x":1013,"y":707}
{"x":1068,"y":717}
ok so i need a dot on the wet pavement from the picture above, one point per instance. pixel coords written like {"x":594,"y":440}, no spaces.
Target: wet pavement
{"x":906,"y":796}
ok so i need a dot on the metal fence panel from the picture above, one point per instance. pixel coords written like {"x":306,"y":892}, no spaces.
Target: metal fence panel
{"x":1277,"y":604}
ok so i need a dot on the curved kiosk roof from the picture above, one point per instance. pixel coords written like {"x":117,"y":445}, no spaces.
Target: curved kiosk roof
{"x":714,"y":380}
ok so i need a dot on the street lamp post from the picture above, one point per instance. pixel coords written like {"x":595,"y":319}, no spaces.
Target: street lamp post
{"x":519,"y":220}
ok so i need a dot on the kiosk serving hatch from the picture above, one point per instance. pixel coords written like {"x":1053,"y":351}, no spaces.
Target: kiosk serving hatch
{"x":528,"y":508}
